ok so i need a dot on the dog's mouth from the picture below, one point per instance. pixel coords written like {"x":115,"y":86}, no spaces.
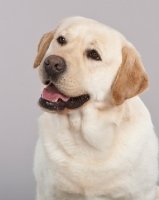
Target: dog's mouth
{"x":53,"y":100}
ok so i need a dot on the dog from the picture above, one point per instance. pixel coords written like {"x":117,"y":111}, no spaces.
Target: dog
{"x":96,"y":140}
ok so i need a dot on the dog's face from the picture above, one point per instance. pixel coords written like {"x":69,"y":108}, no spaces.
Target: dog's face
{"x":83,"y":60}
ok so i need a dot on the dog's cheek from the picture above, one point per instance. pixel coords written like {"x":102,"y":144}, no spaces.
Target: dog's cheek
{"x":98,"y":84}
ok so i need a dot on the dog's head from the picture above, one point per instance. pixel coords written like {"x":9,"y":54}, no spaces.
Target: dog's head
{"x":83,"y":60}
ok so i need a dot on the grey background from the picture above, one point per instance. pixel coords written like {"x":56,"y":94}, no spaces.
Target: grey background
{"x":22,"y":23}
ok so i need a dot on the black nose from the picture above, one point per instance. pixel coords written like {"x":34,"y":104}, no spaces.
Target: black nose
{"x":54,"y":65}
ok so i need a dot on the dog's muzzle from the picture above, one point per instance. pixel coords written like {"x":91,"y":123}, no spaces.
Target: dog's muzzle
{"x":52,"y":99}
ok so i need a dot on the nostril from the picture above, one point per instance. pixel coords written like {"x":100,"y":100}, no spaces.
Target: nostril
{"x":47,"y":82}
{"x":56,"y":65}
{"x":59,"y":67}
{"x":47,"y":62}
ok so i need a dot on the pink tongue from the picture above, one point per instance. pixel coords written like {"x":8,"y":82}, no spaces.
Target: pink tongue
{"x":51,"y":93}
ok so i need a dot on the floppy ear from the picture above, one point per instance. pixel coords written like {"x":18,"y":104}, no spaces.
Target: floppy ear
{"x":131,"y":79}
{"x":42,"y":47}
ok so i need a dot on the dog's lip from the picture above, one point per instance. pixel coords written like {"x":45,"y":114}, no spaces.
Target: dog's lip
{"x":53,"y":100}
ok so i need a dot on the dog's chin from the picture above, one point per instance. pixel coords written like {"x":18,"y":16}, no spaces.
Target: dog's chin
{"x":52,"y":100}
{"x":52,"y":111}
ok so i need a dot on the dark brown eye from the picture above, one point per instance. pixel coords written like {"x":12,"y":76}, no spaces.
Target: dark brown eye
{"x":93,"y":54}
{"x":61,"y":40}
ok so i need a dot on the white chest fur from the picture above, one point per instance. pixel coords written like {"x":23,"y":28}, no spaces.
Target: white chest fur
{"x":95,"y":154}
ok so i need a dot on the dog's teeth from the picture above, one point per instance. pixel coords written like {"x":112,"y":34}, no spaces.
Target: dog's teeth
{"x":55,"y":100}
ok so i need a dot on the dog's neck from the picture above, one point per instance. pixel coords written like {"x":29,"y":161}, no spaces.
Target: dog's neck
{"x":85,"y":130}
{"x":94,"y":126}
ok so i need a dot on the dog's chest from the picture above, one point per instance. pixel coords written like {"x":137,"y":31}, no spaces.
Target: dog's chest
{"x":85,"y":175}
{"x":78,"y":150}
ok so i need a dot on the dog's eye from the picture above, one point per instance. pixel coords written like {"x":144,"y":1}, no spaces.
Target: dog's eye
{"x":93,"y":54}
{"x":61,"y":40}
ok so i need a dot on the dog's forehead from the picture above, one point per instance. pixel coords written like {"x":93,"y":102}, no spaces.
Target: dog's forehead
{"x":90,"y":34}
{"x":78,"y":22}
{"x":82,"y":27}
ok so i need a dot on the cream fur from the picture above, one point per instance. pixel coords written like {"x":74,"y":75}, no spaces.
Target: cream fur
{"x":99,"y":151}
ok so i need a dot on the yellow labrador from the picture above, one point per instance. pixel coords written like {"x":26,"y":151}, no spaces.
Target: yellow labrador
{"x":96,"y":136}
